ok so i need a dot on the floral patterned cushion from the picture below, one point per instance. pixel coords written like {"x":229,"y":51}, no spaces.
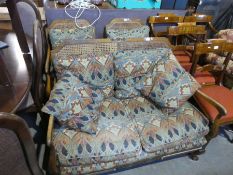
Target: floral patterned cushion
{"x":172,"y":85}
{"x":73,"y":103}
{"x":116,"y":138}
{"x":226,"y":34}
{"x":131,"y":66}
{"x":157,"y":130}
{"x":218,"y":60}
{"x":95,"y":69}
{"x":183,"y":145}
{"x":66,"y":30}
{"x":122,"y":33}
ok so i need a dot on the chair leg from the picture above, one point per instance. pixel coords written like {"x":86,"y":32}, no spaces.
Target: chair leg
{"x":214,"y":130}
{"x":194,"y":155}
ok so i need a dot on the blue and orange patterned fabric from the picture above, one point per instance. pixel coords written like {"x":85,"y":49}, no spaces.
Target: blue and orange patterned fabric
{"x":95,"y":69}
{"x":65,"y":31}
{"x":172,"y":85}
{"x":116,"y":138}
{"x":123,"y":127}
{"x":123,"y":34}
{"x":109,"y":115}
{"x":157,"y":129}
{"x":74,"y":104}
{"x":131,"y":68}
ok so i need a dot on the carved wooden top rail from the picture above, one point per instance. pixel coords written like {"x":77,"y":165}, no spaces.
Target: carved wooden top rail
{"x":186,"y":29}
{"x":213,"y":45}
{"x":164,"y":19}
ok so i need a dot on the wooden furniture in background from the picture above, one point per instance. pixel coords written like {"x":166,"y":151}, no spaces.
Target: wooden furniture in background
{"x":223,"y":96}
{"x":165,"y":20}
{"x":18,"y":67}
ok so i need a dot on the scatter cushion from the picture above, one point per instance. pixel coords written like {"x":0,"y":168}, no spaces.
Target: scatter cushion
{"x":159,"y":132}
{"x":122,"y":33}
{"x":61,"y":31}
{"x":95,"y":69}
{"x":68,"y":101}
{"x":116,"y":138}
{"x":133,"y":65}
{"x":172,"y":85}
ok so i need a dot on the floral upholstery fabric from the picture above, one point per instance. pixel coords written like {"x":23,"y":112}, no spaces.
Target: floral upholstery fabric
{"x":131,"y":66}
{"x":183,"y":145}
{"x":66,"y":30}
{"x":158,"y":130}
{"x":116,"y":138}
{"x":122,"y":33}
{"x":96,"y":70}
{"x":219,"y":59}
{"x":172,"y":85}
{"x":73,"y":103}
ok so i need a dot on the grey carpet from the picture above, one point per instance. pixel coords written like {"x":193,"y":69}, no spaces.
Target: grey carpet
{"x":217,"y":160}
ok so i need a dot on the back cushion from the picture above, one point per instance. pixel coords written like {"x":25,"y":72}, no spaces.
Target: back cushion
{"x":132,"y":66}
{"x":61,"y":31}
{"x":122,"y":34}
{"x":96,"y":69}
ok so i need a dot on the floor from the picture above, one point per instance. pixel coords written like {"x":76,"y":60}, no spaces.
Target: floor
{"x":217,"y":160}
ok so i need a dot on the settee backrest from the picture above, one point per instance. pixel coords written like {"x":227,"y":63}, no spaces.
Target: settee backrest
{"x":106,"y":45}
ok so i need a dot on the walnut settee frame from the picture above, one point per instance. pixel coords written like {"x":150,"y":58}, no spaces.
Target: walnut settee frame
{"x":98,"y":45}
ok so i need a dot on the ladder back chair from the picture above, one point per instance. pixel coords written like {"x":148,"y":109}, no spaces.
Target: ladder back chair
{"x":201,"y":19}
{"x":178,"y":36}
{"x":217,"y":92}
{"x":161,"y":21}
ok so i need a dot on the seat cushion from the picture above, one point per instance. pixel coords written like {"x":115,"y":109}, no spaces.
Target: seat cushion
{"x":116,"y":139}
{"x":222,"y":95}
{"x":159,"y":131}
{"x":121,"y":33}
{"x":61,"y":31}
{"x":204,"y":78}
{"x":186,"y":65}
{"x":182,"y":56}
{"x":131,"y":66}
{"x":185,"y":145}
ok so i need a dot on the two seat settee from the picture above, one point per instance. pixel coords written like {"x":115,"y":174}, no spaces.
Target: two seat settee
{"x":106,"y":111}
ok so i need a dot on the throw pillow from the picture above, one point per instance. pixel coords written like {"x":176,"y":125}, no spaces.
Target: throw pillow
{"x":172,"y":85}
{"x":69,"y":98}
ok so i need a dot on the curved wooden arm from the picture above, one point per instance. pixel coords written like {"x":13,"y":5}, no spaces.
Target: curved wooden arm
{"x":220,"y":108}
{"x":212,"y":27}
{"x":50,"y":130}
{"x":47,"y":72}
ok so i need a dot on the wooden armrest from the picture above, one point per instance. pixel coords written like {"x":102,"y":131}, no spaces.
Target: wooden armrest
{"x":47,"y":72}
{"x":47,"y":62}
{"x":50,"y":130}
{"x":220,"y":108}
{"x":212,"y":28}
